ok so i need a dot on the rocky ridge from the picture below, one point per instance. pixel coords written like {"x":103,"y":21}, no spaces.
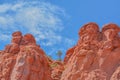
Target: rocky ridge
{"x":96,"y":56}
{"x":23,"y":59}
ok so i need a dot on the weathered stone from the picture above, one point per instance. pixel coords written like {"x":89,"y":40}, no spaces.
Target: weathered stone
{"x":93,"y":75}
{"x":57,"y":68}
{"x":31,"y":65}
{"x":24,"y":60}
{"x":68,"y":55}
{"x":95,"y":50}
{"x":16,"y":37}
{"x":28,"y":39}
{"x":116,"y":74}
{"x":96,"y":56}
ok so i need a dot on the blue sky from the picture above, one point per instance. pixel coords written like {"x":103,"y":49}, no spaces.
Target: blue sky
{"x":54,"y":23}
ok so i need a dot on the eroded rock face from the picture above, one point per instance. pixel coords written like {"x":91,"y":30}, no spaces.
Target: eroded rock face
{"x":28,"y":39}
{"x":68,"y":55}
{"x":96,"y":74}
{"x":57,"y":68}
{"x":31,"y":64}
{"x":116,"y":74}
{"x":24,"y":60}
{"x":96,"y":55}
{"x":16,"y":37}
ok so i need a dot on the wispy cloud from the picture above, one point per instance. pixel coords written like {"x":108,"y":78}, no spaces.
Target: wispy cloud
{"x":39,"y":18}
{"x":42,"y":19}
{"x":4,"y":37}
{"x":69,"y":42}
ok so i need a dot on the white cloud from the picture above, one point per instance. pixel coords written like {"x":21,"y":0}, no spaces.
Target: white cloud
{"x":43,"y":20}
{"x":4,"y":8}
{"x":69,"y":42}
{"x":4,"y":37}
{"x":39,"y":18}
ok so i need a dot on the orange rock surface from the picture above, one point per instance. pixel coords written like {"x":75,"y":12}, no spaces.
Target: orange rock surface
{"x":24,"y":60}
{"x":96,"y":56}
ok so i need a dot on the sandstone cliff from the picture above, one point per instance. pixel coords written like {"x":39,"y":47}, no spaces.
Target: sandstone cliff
{"x":96,"y":56}
{"x":23,"y":59}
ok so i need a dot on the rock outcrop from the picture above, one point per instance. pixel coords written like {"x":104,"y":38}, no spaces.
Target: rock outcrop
{"x":96,"y":55}
{"x":57,"y":68}
{"x":23,"y":59}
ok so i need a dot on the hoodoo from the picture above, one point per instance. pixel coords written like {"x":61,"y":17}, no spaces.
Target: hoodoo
{"x":23,"y":59}
{"x":96,"y":56}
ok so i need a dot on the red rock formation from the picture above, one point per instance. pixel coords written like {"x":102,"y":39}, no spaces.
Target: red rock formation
{"x":16,"y":37}
{"x":57,"y":68}
{"x":116,"y":74}
{"x":24,"y":60}
{"x":96,"y":55}
{"x":28,"y":39}
{"x":68,"y":54}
